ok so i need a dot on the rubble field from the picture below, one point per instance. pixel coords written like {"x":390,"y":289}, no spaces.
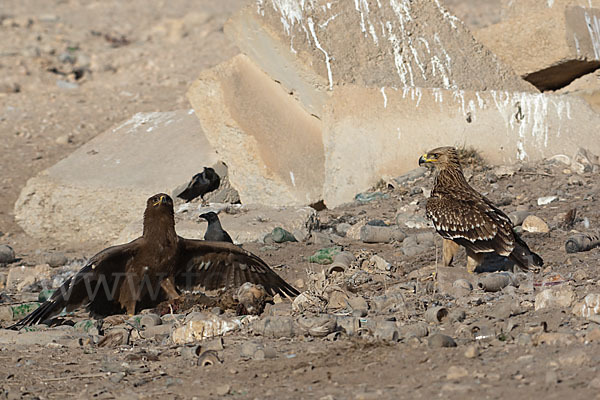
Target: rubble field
{"x":378,"y":316}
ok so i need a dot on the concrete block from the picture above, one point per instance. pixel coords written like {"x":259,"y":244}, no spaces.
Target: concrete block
{"x":587,"y":87}
{"x":101,"y":187}
{"x":397,"y":43}
{"x":263,"y":111}
{"x":548,"y":46}
{"x":370,"y":134}
{"x":272,"y":146}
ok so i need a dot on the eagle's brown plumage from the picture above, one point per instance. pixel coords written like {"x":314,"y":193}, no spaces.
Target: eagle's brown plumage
{"x":462,"y":215}
{"x":143,"y":272}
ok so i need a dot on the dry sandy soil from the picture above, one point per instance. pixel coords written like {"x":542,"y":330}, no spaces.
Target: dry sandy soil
{"x":70,"y":69}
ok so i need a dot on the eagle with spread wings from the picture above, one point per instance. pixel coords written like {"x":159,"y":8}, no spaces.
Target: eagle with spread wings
{"x":151,"y":268}
{"x":464,"y":217}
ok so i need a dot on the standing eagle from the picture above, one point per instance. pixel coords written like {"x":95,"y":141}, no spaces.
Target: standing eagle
{"x":143,"y":272}
{"x":466,"y":218}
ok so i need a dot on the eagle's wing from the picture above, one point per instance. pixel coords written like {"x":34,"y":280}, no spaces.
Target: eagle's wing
{"x":473,"y":222}
{"x":215,"y":265}
{"x":94,"y":286}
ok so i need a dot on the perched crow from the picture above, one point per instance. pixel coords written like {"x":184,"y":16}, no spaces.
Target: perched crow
{"x":215,"y":231}
{"x":202,"y":183}
{"x":464,"y":217}
{"x":147,"y":270}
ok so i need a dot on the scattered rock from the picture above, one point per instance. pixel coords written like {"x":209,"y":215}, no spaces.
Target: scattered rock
{"x":456,"y":372}
{"x":542,"y":201}
{"x":517,"y":217}
{"x":472,"y":351}
{"x":535,"y":224}
{"x":222,"y":390}
{"x":7,"y":254}
{"x":590,"y":306}
{"x":441,"y":340}
{"x":54,"y":259}
{"x":556,"y":297}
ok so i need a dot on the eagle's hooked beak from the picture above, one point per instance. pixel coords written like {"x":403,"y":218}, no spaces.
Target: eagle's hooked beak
{"x":423,"y":159}
{"x":162,"y":200}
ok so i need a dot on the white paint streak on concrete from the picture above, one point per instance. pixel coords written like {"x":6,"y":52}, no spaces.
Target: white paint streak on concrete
{"x":311,"y":26}
{"x":419,"y":95}
{"x":528,"y":113}
{"x":324,"y":24}
{"x":373,"y":33}
{"x":577,"y":47}
{"x":403,"y":69}
{"x":384,"y":97}
{"x":480,"y":101}
{"x":593,"y":25}
{"x":451,"y":18}
{"x":438,"y":95}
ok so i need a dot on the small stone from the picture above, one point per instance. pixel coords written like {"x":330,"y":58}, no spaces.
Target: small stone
{"x":7,"y":254}
{"x":472,"y":351}
{"x":457,"y":316}
{"x":517,"y":217}
{"x":222,"y":390}
{"x":556,"y":297}
{"x":542,"y":201}
{"x":55,"y":259}
{"x":66,"y":85}
{"x":593,"y":335}
{"x":461,"y":288}
{"x":441,"y":340}
{"x":456,"y":372}
{"x":590,"y":306}
{"x":535,"y":224}
{"x":595,"y":383}
{"x":64,"y":139}
{"x":248,"y":349}
{"x":342,"y":228}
